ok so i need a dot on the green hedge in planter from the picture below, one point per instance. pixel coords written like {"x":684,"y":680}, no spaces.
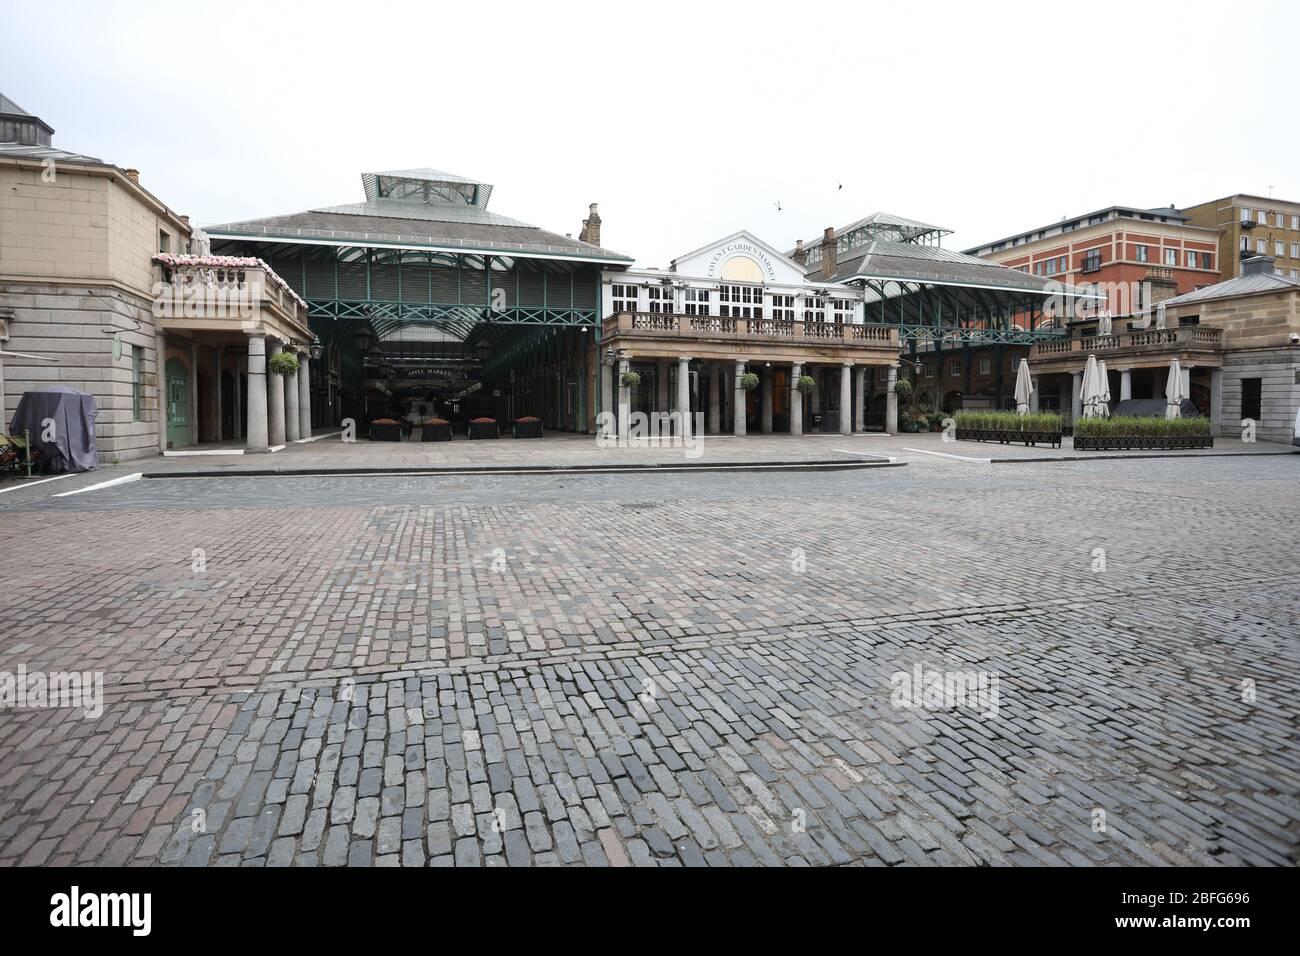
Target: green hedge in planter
{"x":1008,"y":421}
{"x":749,"y":381}
{"x":1145,"y":426}
{"x":283,"y":363}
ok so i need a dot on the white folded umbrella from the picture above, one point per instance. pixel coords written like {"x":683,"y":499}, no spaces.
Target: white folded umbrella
{"x":1103,"y":381}
{"x":1024,"y":387}
{"x":1090,"y":389}
{"x":1174,"y":391}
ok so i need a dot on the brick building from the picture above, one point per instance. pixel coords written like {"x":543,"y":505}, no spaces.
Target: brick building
{"x":1249,"y":227}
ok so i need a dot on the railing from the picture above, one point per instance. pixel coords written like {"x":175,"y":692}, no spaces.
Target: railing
{"x":223,"y":292}
{"x":1205,"y":337}
{"x":785,"y":330}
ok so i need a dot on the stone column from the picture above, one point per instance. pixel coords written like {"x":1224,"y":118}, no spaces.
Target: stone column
{"x":846,"y":399}
{"x":684,"y":394}
{"x":1033,"y":394}
{"x":237,"y":377}
{"x":796,"y":401}
{"x":738,"y":403}
{"x":815,"y":403}
{"x":715,"y":399}
{"x":160,"y":364}
{"x":891,"y":401}
{"x":275,"y":401}
{"x":219,"y":363}
{"x":860,"y":399}
{"x":624,"y":401}
{"x":661,"y":386}
{"x":607,"y":374}
{"x":1125,"y":385}
{"x":1186,"y":371}
{"x":258,"y":428}
{"x":291,"y":419}
{"x":304,"y":395}
{"x":196,"y":426}
{"x":765,"y":405}
{"x":1076,"y":400}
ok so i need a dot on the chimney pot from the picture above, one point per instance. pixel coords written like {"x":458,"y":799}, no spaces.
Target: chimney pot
{"x":133,"y":175}
{"x":591,"y":227}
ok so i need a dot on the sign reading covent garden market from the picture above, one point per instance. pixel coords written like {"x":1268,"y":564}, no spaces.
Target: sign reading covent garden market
{"x":741,"y":247}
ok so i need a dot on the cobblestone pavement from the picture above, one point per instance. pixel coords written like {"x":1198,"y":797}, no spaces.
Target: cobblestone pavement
{"x":670,"y":669}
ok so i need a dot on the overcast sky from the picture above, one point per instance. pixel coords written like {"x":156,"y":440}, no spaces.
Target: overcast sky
{"x":686,"y":122}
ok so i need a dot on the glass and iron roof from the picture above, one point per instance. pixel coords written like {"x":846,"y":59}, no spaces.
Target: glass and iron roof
{"x":419,"y":209}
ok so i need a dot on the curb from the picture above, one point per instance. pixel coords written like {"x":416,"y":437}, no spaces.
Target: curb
{"x":658,"y":468}
{"x":1190,"y":456}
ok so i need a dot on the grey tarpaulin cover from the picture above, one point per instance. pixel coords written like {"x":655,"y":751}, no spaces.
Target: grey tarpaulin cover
{"x":73,"y":447}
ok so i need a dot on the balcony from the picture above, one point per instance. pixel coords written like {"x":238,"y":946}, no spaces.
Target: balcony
{"x":1154,"y":344}
{"x":722,"y":337}
{"x":226,"y":294}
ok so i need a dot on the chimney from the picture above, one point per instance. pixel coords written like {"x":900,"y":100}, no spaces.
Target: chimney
{"x":1161,"y":283}
{"x":830,"y":255}
{"x":800,"y":253}
{"x":591,"y":227}
{"x":1258,"y":266}
{"x":133,"y":175}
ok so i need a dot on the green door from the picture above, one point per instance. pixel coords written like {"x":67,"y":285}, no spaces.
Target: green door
{"x":178,"y":404}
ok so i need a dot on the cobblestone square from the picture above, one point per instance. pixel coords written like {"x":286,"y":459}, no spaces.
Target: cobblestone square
{"x":674,"y":669}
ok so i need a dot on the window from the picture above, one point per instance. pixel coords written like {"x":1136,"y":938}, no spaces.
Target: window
{"x":1295,"y":273}
{"x":1190,"y":260}
{"x":624,"y":298}
{"x":1186,"y":320}
{"x":927,"y":370}
{"x":954,"y":367}
{"x":1279,"y":248}
{"x":1065,"y":267}
{"x":1092,"y":260}
{"x":814,"y":308}
{"x":843,"y":309}
{"x":1281,"y":221}
{"x":1251,"y":392}
{"x":1038,"y":268}
{"x":1261,"y":246}
{"x":697,"y":301}
{"x":1245,"y":214}
{"x":1143,"y":254}
{"x":661,"y":298}
{"x":1245,"y":243}
{"x":1051,"y":267}
{"x":986,"y":365}
{"x":1295,"y":250}
{"x":164,"y":241}
{"x":741,"y":301}
{"x":1171,"y":257}
{"x":1261,"y":217}
{"x":783,"y":308}
{"x":1295,"y":222}
{"x":137,"y":362}
{"x":1207,"y":261}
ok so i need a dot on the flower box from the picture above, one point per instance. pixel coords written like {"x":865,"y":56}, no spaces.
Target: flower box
{"x":435,"y":431}
{"x":1142,"y":442}
{"x":527,"y":428}
{"x":483,"y":428}
{"x":1008,"y":436}
{"x":385,"y":429}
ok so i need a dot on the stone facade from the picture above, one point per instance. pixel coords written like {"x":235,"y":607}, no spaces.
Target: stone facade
{"x":76,"y":242}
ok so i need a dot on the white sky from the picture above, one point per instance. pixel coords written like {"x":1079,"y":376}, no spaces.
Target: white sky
{"x":685,"y":121}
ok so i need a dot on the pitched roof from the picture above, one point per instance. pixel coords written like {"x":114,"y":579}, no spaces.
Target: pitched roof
{"x":30,"y":151}
{"x":9,"y":106}
{"x":908,"y":262}
{"x":1242,"y":285}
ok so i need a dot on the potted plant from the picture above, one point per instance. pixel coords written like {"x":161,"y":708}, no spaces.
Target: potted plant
{"x":283,"y":363}
{"x":806,"y":384}
{"x":529,"y":426}
{"x":385,"y":429}
{"x":483,"y":428}
{"x":1138,"y":432}
{"x":630,"y":379}
{"x":1009,"y":427}
{"x":749,"y":381}
{"x":436,"y":429}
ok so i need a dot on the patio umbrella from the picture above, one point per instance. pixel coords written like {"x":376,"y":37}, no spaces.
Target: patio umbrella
{"x":1090,"y":389}
{"x":1103,"y":380}
{"x":1024,"y":387}
{"x":1174,"y":391}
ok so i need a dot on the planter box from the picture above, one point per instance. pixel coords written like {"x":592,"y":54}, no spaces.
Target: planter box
{"x":435,"y":433}
{"x":482,"y":430}
{"x":1007,"y":436}
{"x":526,"y":430}
{"x":1143,"y":442}
{"x":386,"y":433}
